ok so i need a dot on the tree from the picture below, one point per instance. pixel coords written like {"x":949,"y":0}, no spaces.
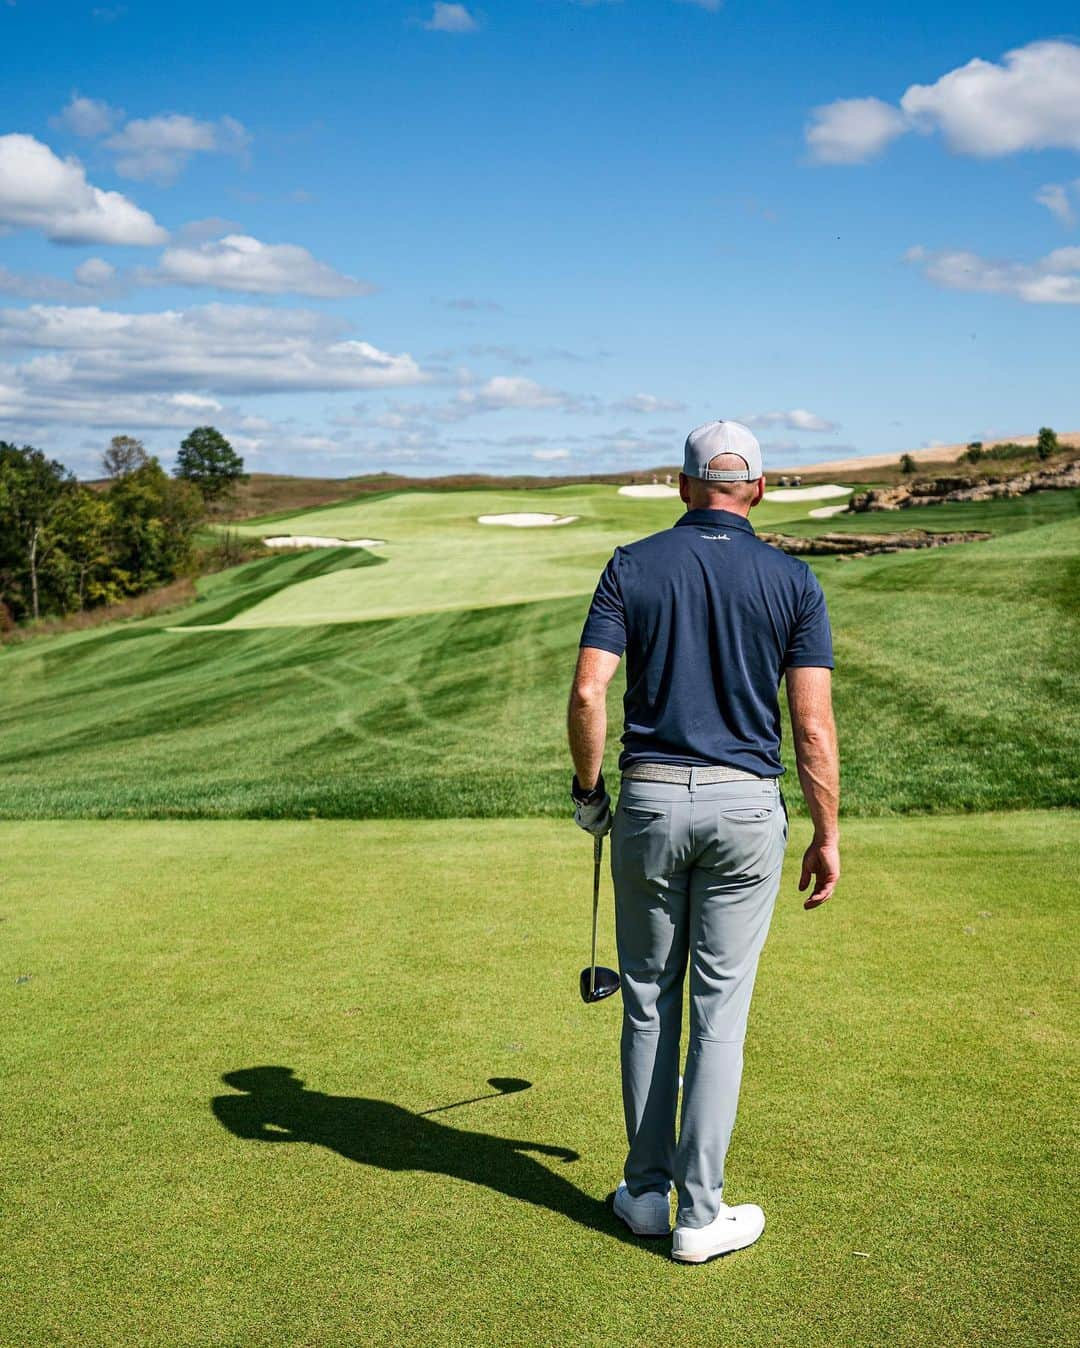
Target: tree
{"x":974,"y":451}
{"x":84,"y":523}
{"x":1047,"y":442}
{"x":208,"y":460}
{"x":123,"y":455}
{"x":153,"y":521}
{"x":33,"y":490}
{"x":907,"y":463}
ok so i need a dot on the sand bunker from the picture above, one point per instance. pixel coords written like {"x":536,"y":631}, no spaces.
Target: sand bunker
{"x":827,"y":512}
{"x":312,"y":541}
{"x":526,"y":520}
{"x":649,"y":489}
{"x":826,"y":493}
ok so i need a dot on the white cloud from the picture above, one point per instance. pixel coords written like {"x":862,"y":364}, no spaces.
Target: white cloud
{"x":646,"y":404}
{"x":1030,"y":101}
{"x":505,"y":391}
{"x":40,"y":191}
{"x":468,"y":305}
{"x":550,"y":455}
{"x":87,"y":117}
{"x":90,"y":353}
{"x":499,"y":394}
{"x":95,"y":271}
{"x":1055,"y":197}
{"x":852,"y":130}
{"x":74,"y":407}
{"x":209,"y":227}
{"x":797,"y":419}
{"x":448,"y":18}
{"x":93,"y":280}
{"x":1053,"y":279}
{"x":239,"y":262}
{"x":159,"y":147}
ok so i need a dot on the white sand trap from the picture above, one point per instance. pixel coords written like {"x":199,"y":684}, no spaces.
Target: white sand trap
{"x":649,"y":489}
{"x":526,"y":520}
{"x":312,"y":541}
{"x":826,"y":493}
{"x":827,"y":512}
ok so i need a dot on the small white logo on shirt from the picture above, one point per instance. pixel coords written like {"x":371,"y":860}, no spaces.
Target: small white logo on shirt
{"x":717,"y":538}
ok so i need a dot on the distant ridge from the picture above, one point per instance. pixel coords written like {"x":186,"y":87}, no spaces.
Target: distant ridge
{"x":936,"y":454}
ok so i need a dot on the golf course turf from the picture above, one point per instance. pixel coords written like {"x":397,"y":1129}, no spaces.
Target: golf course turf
{"x":288,"y":870}
{"x":906,"y":1118}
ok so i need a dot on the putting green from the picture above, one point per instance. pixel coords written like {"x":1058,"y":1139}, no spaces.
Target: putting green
{"x":906,"y":1119}
{"x":439,"y":557}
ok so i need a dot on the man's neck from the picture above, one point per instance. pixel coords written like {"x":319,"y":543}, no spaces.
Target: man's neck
{"x":721,"y":503}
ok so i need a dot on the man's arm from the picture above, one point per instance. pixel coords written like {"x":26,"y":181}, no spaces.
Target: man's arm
{"x":586,"y":719}
{"x":809,"y":692}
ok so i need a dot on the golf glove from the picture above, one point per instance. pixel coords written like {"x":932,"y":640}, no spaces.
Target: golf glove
{"x":592,"y":809}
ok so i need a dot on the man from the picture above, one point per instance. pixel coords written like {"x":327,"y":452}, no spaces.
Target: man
{"x":710,"y":618}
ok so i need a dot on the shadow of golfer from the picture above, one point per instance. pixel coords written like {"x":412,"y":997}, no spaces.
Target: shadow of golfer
{"x":275,"y":1107}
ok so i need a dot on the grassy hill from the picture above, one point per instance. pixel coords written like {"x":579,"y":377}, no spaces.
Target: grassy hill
{"x":432,"y":682}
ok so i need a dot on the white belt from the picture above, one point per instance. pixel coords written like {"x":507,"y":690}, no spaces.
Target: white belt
{"x":683,"y":776}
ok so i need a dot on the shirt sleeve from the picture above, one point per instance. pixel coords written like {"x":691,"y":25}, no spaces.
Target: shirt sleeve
{"x":605,"y":627}
{"x":810,"y":643}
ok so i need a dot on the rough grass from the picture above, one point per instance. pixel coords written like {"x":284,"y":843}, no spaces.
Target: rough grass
{"x":177,"y":594}
{"x":956,"y":690}
{"x":906,"y":1096}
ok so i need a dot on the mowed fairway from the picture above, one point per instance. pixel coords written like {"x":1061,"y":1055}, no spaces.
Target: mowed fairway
{"x":441,"y":558}
{"x":906,"y":1120}
{"x":283,"y":693}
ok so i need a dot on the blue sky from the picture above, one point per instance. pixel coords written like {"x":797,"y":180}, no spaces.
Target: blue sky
{"x":536,"y":236}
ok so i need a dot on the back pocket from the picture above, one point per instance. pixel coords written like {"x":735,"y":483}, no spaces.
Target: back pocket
{"x":748,"y":814}
{"x":641,"y":814}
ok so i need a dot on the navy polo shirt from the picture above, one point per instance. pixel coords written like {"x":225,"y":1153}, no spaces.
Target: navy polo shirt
{"x":709,"y":617}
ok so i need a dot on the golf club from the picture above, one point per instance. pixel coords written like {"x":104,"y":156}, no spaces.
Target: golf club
{"x":597,"y":982}
{"x":503,"y":1086}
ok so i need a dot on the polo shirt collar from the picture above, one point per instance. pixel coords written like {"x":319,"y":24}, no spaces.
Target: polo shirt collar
{"x":727,"y":518}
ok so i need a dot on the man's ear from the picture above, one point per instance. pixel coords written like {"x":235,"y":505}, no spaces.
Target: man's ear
{"x":684,"y":489}
{"x":760,"y":491}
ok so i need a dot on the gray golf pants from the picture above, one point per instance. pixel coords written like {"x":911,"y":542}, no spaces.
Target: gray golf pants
{"x":696,"y":871}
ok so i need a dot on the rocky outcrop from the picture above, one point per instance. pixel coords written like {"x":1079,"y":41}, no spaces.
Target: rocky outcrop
{"x":935,"y":491}
{"x":844,"y":545}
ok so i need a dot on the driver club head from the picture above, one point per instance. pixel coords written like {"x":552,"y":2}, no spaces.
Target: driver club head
{"x":605,"y":984}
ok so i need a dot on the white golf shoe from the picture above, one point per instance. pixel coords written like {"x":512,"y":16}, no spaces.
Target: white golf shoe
{"x":648,"y":1215}
{"x":731,"y":1229}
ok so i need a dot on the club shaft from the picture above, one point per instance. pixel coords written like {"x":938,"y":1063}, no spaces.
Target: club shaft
{"x":598,"y":853}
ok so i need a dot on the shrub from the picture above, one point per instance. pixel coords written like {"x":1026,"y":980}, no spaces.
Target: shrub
{"x":1047,"y":442}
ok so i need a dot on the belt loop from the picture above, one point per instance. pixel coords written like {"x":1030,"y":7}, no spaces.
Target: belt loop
{"x":692,"y":783}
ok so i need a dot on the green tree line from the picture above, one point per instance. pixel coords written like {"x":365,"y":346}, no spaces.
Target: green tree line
{"x":66,"y":547}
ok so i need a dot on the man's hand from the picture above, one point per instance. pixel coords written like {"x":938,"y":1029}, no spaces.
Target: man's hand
{"x":592,"y":809}
{"x":820,"y":863}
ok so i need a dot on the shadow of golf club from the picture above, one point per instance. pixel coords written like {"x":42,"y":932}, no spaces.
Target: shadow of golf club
{"x":275,"y":1107}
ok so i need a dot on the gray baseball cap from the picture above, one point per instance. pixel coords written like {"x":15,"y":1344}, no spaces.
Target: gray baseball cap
{"x":722,"y":437}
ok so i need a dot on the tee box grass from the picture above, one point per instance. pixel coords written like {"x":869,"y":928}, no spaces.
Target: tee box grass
{"x":218,"y":1064}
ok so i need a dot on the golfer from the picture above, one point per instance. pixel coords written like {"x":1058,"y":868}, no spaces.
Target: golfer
{"x":710,"y":618}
